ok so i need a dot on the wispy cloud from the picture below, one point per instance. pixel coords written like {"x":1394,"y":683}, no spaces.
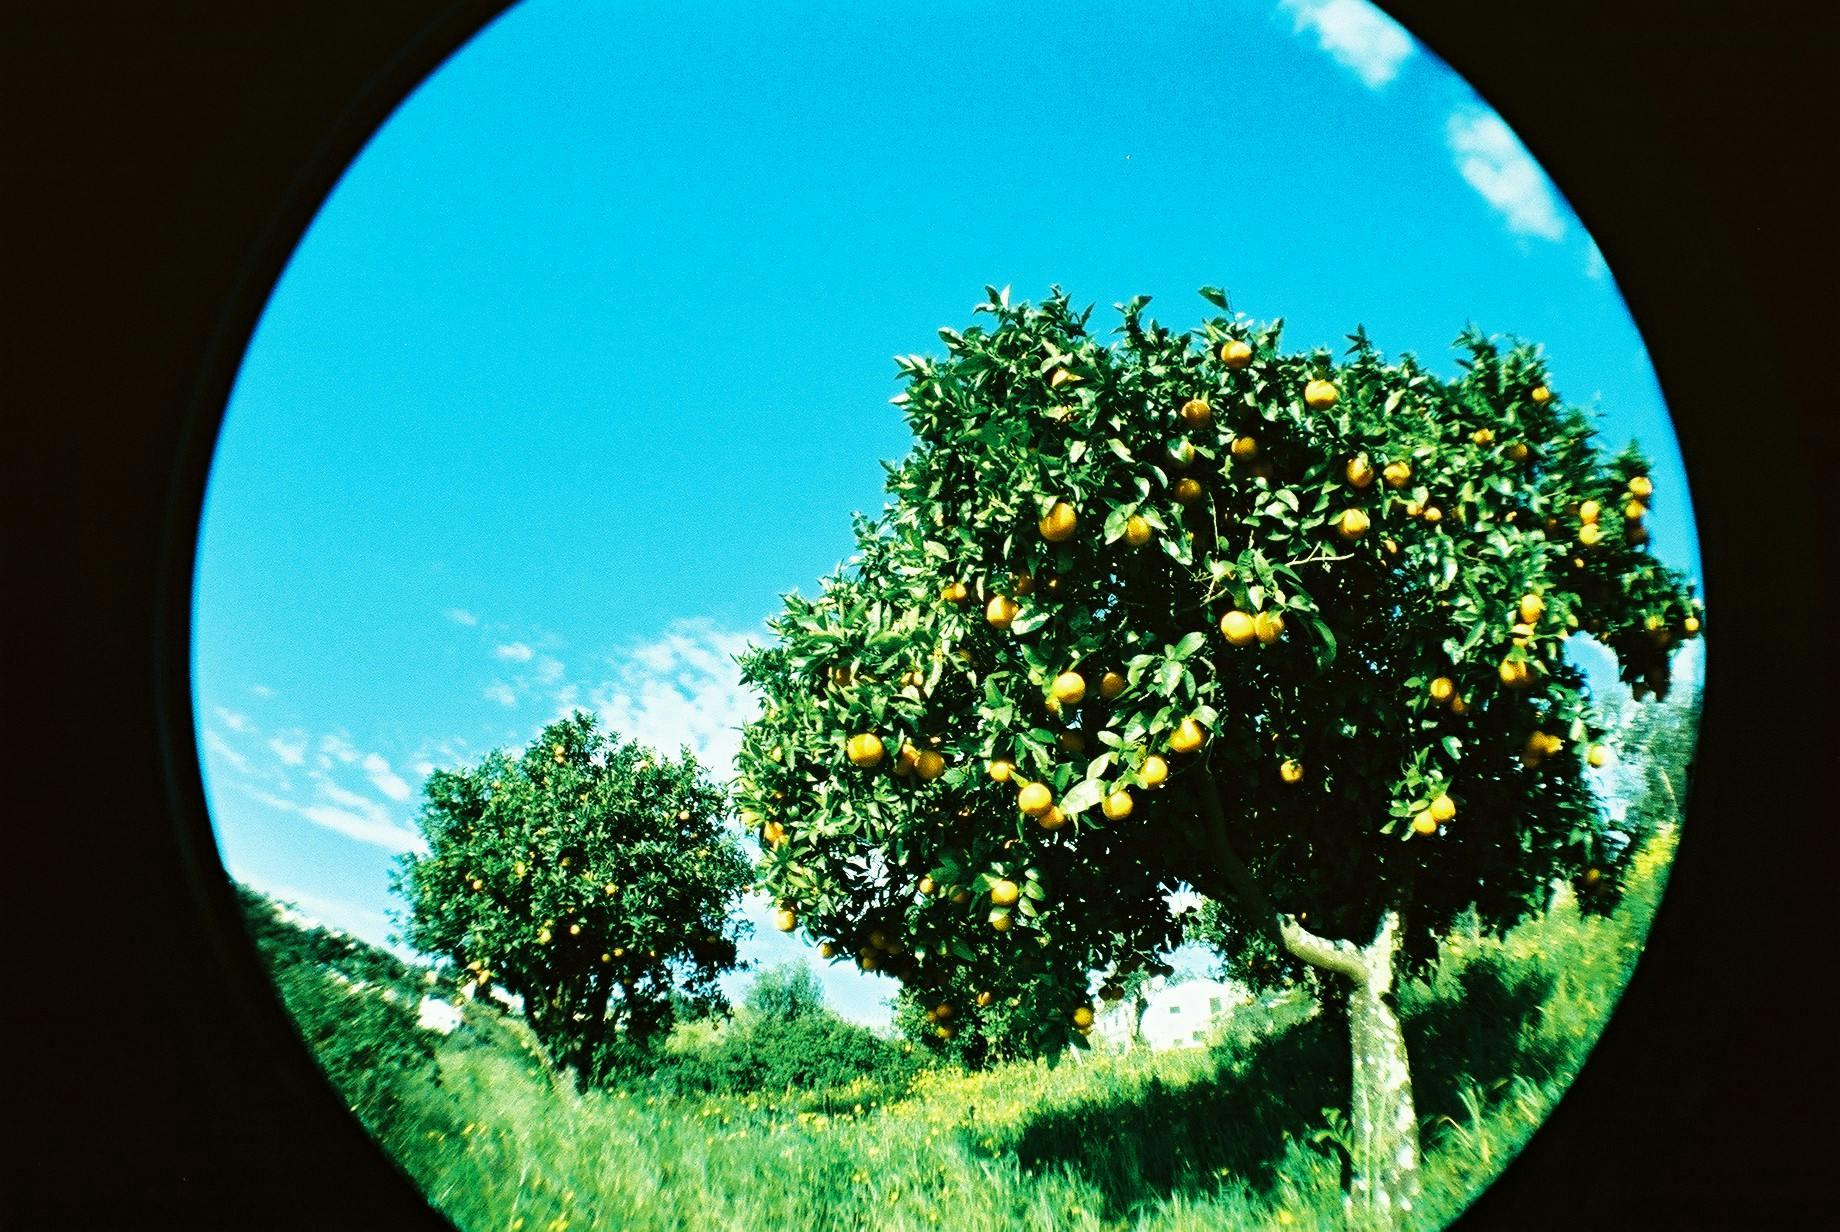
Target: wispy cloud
{"x":461,"y":616}
{"x":502,"y":693}
{"x":336,"y":746}
{"x":1497,"y":165}
{"x":1356,"y":35}
{"x":385,"y":779}
{"x":234,"y":721}
{"x":516,"y":652}
{"x":215,"y":743}
{"x":261,"y":690}
{"x":291,"y":748}
{"x":355,"y":816}
{"x":1595,"y":267}
{"x":681,"y":689}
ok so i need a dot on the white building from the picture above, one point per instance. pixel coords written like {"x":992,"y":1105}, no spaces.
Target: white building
{"x":1179,"y":1015}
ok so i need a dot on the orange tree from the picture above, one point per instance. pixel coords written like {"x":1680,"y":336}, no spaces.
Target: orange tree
{"x":590,"y":877}
{"x":1181,"y":609}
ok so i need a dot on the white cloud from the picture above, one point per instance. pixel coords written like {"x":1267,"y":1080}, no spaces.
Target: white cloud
{"x":680,"y":689}
{"x":385,"y":779}
{"x":337,"y":746}
{"x":291,"y":748}
{"x":549,"y":670}
{"x":360,"y":818}
{"x":345,"y":812}
{"x":502,"y":693}
{"x":1356,"y":35}
{"x":215,"y":743}
{"x":1496,"y":165}
{"x":261,"y":690}
{"x":234,"y":721}
{"x":461,"y":616}
{"x":1594,"y":266}
{"x":516,"y":652}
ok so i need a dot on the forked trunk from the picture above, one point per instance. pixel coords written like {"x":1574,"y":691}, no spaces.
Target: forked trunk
{"x":1384,"y":1120}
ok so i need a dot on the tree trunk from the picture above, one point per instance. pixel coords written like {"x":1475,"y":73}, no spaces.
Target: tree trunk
{"x":1383,"y":1118}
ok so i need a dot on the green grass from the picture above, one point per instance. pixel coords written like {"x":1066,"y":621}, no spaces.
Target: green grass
{"x":1240,"y":1135}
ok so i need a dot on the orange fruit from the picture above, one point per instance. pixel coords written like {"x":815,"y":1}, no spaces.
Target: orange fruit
{"x":1000,"y":770}
{"x":1443,"y":808}
{"x":1514,"y":673}
{"x":1269,"y":625}
{"x":1590,"y":534}
{"x":785,"y":920}
{"x":984,"y":999}
{"x":1111,"y":685}
{"x":1238,"y":628}
{"x":1001,"y":920}
{"x":1059,"y":523}
{"x":955,"y":592}
{"x":1035,"y":799}
{"x":1589,"y":510}
{"x":1541,"y":395}
{"x":1641,"y":488}
{"x":1069,"y":687}
{"x":1359,"y":471}
{"x":1187,"y":737}
{"x":1433,"y":514}
{"x":930,"y":765}
{"x":1291,"y":771}
{"x":1196,"y":413}
{"x":1117,"y":806}
{"x":1459,"y":706}
{"x":1319,"y":395}
{"x":1352,"y":524}
{"x":1530,"y":608}
{"x":865,"y":750}
{"x":1000,"y":611}
{"x":1424,"y":823}
{"x":1136,"y":531}
{"x":1690,"y":625}
{"x":1023,"y":584}
{"x":1187,"y":490}
{"x":1483,"y":436}
{"x":1443,"y":689}
{"x":1598,"y":757}
{"x":1397,"y":474}
{"x":1052,"y":820}
{"x":905,"y":761}
{"x":926,"y":885}
{"x":1244,"y":448}
{"x":1154,"y":772}
{"x":1005,"y":893}
{"x":1073,"y":741}
{"x":1518,"y":452}
{"x":1083,"y":1016}
{"x":1235,"y":353}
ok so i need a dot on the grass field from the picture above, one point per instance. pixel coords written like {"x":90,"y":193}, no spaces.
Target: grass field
{"x":1242,"y":1134}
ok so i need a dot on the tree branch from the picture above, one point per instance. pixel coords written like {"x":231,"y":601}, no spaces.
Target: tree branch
{"x":1339,"y":956}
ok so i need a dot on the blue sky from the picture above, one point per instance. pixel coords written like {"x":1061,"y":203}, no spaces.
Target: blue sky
{"x":586,"y":360}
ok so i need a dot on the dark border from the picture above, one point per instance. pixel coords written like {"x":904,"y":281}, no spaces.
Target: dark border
{"x":176,"y":156}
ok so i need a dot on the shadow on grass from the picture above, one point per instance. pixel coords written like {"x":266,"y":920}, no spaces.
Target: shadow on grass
{"x":1165,"y":1139}
{"x":1231,"y":1123}
{"x":1481,"y":1026}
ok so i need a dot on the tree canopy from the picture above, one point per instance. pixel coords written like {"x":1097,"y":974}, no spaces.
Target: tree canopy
{"x":588,"y":876}
{"x":1183,"y":609}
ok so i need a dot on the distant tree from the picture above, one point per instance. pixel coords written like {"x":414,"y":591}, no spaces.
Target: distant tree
{"x":1186,"y":610}
{"x":592,"y":878}
{"x":785,"y":993}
